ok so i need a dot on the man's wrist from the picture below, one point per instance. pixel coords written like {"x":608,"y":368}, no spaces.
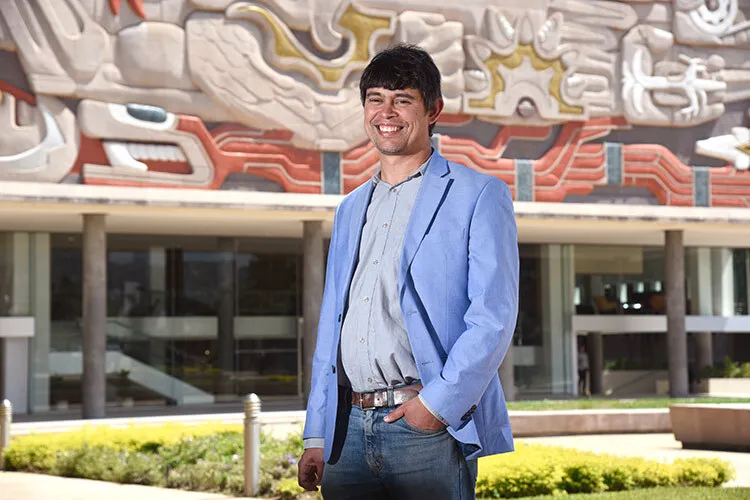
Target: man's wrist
{"x":434,"y":413}
{"x":313,"y":442}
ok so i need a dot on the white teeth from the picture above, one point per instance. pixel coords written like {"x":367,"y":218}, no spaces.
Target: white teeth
{"x":388,"y":129}
{"x":127,"y":154}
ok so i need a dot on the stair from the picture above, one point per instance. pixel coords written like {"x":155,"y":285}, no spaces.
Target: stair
{"x":71,"y":363}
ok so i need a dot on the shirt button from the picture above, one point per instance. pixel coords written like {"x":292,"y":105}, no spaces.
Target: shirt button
{"x":385,"y":224}
{"x":362,"y":340}
{"x":369,"y":380}
{"x":376,"y":262}
{"x":367,"y":299}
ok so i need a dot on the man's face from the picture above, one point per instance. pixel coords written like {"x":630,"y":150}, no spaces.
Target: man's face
{"x":397,"y":122}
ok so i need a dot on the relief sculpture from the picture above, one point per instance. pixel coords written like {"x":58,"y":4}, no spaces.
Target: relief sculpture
{"x":189,"y":93}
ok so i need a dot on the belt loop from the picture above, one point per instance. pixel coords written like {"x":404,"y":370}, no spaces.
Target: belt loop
{"x":391,"y":400}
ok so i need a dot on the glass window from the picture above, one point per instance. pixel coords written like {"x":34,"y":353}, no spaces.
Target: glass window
{"x":193,"y":316}
{"x":620,"y":280}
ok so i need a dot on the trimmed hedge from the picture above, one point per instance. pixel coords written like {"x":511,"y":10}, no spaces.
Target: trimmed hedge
{"x":544,"y":470}
{"x":209,"y":457}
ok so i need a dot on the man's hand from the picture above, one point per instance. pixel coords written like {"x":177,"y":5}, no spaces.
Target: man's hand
{"x":310,"y":469}
{"x":416,"y":415}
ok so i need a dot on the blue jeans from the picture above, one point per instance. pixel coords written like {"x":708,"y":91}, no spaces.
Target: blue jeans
{"x":397,"y":461}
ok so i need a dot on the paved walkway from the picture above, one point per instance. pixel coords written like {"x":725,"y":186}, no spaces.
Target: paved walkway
{"x":653,"y":446}
{"x":21,"y":486}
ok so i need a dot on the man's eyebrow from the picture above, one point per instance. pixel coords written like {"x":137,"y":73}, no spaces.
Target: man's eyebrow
{"x":399,"y":95}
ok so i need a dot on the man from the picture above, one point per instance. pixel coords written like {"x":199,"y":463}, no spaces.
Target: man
{"x":419,"y":308}
{"x":583,"y":370}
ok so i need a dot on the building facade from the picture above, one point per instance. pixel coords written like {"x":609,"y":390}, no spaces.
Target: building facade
{"x":169,"y":172}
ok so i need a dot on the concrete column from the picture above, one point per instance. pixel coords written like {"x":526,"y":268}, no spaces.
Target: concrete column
{"x":553,"y":300}
{"x":41,"y":310}
{"x":14,"y":274}
{"x":15,"y":297}
{"x":226,"y":314}
{"x":674,"y":255}
{"x":313,"y":276}
{"x":701,"y":301}
{"x":722,"y":274}
{"x":94,"y":315}
{"x":595,"y":349}
{"x":507,"y":376}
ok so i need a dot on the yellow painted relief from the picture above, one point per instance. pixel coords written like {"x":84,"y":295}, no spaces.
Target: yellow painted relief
{"x":361,"y":25}
{"x":513,"y":61}
{"x":745,"y":148}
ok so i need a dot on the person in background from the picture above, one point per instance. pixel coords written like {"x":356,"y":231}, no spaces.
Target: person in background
{"x":583,"y":370}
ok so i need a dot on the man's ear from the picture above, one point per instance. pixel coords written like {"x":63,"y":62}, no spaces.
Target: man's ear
{"x":436,"y":110}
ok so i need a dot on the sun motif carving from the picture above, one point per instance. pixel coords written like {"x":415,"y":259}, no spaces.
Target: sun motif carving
{"x":135,"y":5}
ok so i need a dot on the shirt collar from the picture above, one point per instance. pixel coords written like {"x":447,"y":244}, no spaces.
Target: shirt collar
{"x":420,"y":171}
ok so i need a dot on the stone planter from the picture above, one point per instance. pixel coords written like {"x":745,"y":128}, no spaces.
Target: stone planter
{"x":695,"y":426}
{"x":730,"y":387}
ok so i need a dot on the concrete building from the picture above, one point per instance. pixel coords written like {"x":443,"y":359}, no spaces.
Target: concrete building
{"x":169,"y":173}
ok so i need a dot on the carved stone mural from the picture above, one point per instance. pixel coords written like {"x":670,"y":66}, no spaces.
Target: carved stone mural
{"x":208,"y":93}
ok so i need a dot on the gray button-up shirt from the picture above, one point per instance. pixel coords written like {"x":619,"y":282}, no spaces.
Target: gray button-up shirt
{"x":375,"y":349}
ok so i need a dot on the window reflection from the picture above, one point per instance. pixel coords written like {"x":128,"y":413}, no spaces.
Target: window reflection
{"x":619,"y":280}
{"x":165,"y":310}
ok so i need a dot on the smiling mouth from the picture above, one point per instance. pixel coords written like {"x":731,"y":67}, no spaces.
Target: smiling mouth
{"x":388,"y":129}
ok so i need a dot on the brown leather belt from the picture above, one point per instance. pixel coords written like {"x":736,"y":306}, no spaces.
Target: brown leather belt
{"x":386,"y":398}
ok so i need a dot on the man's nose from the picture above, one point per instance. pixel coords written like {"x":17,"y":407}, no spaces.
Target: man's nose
{"x":388,"y":109}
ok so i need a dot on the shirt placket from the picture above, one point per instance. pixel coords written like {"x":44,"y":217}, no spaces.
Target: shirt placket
{"x":383,"y":233}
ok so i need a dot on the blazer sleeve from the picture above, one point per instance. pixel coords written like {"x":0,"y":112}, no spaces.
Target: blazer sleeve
{"x":474,"y":359}
{"x":316,"y":404}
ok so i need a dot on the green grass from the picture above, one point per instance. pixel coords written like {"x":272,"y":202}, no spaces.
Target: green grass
{"x":663,"y":494}
{"x":612,"y":403}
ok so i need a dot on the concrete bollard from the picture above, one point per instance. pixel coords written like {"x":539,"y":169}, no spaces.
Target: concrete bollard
{"x":6,"y":417}
{"x":252,"y":444}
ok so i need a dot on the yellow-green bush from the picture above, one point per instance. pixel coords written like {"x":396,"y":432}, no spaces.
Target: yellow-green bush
{"x":543,"y":470}
{"x":209,"y":457}
{"x":40,"y":452}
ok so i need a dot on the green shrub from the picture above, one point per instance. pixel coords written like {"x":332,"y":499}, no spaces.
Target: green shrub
{"x":540,"y":470}
{"x":210,"y":458}
{"x":288,"y":489}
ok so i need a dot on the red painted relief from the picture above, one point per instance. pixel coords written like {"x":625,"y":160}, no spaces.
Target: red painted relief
{"x":655,"y":167}
{"x":135,"y":5}
{"x":489,"y":160}
{"x":573,"y":165}
{"x":237,"y":149}
{"x":230,"y":149}
{"x":730,"y":187}
{"x":17,"y":93}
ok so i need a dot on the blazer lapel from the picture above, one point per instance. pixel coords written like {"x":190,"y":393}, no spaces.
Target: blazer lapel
{"x":429,"y":199}
{"x":353,"y":225}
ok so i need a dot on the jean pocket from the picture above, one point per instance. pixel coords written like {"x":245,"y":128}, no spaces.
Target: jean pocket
{"x":413,"y":428}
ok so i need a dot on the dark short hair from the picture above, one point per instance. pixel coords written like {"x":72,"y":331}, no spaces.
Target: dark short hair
{"x":403,"y":66}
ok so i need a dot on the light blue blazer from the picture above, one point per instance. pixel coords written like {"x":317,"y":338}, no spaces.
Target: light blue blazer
{"x":458,"y":282}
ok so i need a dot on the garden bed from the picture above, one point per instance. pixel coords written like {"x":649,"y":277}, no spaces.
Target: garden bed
{"x":209,"y":457}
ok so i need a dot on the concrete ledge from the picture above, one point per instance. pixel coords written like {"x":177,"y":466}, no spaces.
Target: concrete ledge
{"x":712,"y":427}
{"x":524,"y":423}
{"x":569,"y":422}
